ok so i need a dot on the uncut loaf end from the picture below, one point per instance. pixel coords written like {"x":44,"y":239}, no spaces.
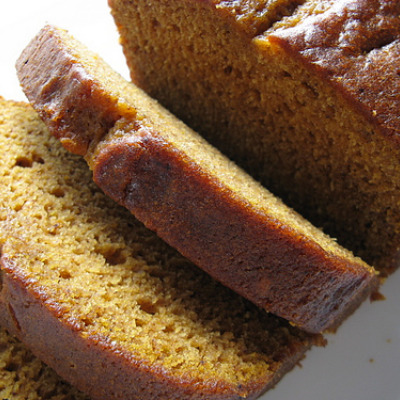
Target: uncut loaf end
{"x":304,"y":94}
{"x":108,"y":305}
{"x":189,"y":193}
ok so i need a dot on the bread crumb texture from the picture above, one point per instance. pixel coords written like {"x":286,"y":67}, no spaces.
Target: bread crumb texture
{"x":113,"y":279}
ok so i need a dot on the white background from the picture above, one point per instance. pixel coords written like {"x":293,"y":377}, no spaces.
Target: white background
{"x":362,"y":360}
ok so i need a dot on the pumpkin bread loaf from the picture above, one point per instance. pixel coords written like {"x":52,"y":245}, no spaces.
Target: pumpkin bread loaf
{"x":24,"y":377}
{"x":105,"y":302}
{"x":304,"y":94}
{"x":185,"y":190}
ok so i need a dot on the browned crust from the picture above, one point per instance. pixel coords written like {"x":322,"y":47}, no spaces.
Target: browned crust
{"x":77,"y":87}
{"x":269,"y":263}
{"x":93,"y":364}
{"x":254,"y":18}
{"x":355,"y":46}
{"x":274,"y":267}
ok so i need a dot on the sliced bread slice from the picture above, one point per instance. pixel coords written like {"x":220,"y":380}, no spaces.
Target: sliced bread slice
{"x":190,"y":194}
{"x":105,"y":302}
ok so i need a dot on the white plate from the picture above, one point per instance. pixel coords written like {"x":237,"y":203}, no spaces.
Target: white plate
{"x":362,"y":360}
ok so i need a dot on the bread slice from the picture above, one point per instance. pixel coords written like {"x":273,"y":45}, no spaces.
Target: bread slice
{"x":185,"y":190}
{"x":106,"y":303}
{"x":24,"y":377}
{"x":304,"y":94}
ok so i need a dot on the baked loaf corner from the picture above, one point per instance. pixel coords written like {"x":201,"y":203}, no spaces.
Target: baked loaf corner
{"x":303,"y":94}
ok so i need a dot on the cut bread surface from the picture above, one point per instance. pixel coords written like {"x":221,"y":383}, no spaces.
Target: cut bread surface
{"x":189,"y":193}
{"x":107,"y":304}
{"x":303,"y":94}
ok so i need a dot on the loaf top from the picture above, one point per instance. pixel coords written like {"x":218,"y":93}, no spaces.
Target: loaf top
{"x":356,"y":46}
{"x":353,"y":44}
{"x":94,"y":273}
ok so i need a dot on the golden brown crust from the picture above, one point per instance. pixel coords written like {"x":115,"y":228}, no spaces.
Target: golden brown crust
{"x":92,"y":365}
{"x":66,"y":78}
{"x":355,"y":46}
{"x":253,"y":19}
{"x":277,"y":269}
{"x":274,"y":265}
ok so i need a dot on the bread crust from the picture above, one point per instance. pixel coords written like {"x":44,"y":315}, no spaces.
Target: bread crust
{"x":248,"y":250}
{"x":274,"y":267}
{"x":95,"y":366}
{"x":354,"y":46}
{"x":359,"y":57}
